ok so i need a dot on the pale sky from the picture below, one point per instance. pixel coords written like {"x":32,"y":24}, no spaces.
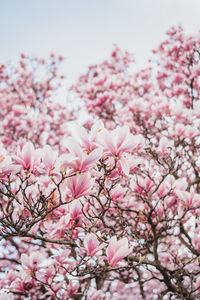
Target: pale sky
{"x":84,"y":31}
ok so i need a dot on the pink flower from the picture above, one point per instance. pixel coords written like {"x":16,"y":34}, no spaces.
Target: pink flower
{"x":88,"y":141}
{"x":92,"y":245}
{"x":80,"y":185}
{"x":164,"y":146}
{"x":71,"y":219}
{"x":117,"y":193}
{"x":46,"y":274}
{"x":11,"y":276}
{"x":63,"y":257}
{"x":72,"y":288}
{"x":6,"y":167}
{"x":75,"y":210}
{"x":49,"y":158}
{"x":58,"y":230}
{"x":119,"y":141}
{"x":80,"y":161}
{"x":117,"y":250}
{"x":33,"y":261}
{"x":27,"y":157}
{"x":23,"y":283}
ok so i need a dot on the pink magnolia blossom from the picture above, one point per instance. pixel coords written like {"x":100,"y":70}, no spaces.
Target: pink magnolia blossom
{"x":117,"y":193}
{"x":133,"y":171}
{"x":78,"y":160}
{"x":72,"y":218}
{"x":49,"y":158}
{"x":23,"y":283}
{"x":7,"y":167}
{"x":80,"y":185}
{"x":88,"y":140}
{"x":117,"y":250}
{"x":118,"y":141}
{"x":74,"y":208}
{"x":92,"y":245}
{"x":164,"y":146}
{"x":72,"y":288}
{"x":46,"y":275}
{"x":75,"y":213}
{"x":27,"y":156}
{"x":58,"y":230}
{"x":33,"y":261}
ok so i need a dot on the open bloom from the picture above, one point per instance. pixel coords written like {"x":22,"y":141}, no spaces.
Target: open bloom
{"x":117,"y":193}
{"x":27,"y":156}
{"x":117,"y":250}
{"x":92,"y":245}
{"x":80,"y":185}
{"x":33,"y":261}
{"x":6,"y":167}
{"x":164,"y":146}
{"x":119,"y":141}
{"x":49,"y":158}
{"x":88,"y":140}
{"x":78,"y":160}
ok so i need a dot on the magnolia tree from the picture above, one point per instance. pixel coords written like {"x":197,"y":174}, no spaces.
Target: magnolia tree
{"x":28,"y":111}
{"x":113,"y":211}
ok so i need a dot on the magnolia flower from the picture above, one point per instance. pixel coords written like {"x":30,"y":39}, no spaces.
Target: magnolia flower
{"x":92,"y":245}
{"x":75,"y":210}
{"x":6,"y":167}
{"x":187,"y":199}
{"x":21,"y":285}
{"x":164,"y":145}
{"x":62,"y":257}
{"x":117,"y":193}
{"x":196,"y":241}
{"x":72,"y":288}
{"x":33,"y":261}
{"x":191,"y":132}
{"x":46,"y":274}
{"x":27,"y":157}
{"x":49,"y":158}
{"x":117,"y":250}
{"x":58,"y":230}
{"x":119,"y":141}
{"x":88,"y":140}
{"x":71,"y":219}
{"x":78,"y":160}
{"x":80,"y":185}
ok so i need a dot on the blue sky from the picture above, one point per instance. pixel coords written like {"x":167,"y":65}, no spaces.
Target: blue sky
{"x":84,"y":31}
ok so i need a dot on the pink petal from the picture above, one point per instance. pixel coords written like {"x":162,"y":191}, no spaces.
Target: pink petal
{"x":74,"y":147}
{"x":121,"y":134}
{"x":94,"y":156}
{"x":107,"y":141}
{"x":83,"y":135}
{"x":124,"y":166}
{"x":91,"y":242}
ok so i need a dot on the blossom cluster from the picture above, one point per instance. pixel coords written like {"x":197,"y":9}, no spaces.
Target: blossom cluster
{"x":58,"y":200}
{"x":110,"y":210}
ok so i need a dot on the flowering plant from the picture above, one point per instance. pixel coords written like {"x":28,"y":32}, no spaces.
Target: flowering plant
{"x":112,"y":210}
